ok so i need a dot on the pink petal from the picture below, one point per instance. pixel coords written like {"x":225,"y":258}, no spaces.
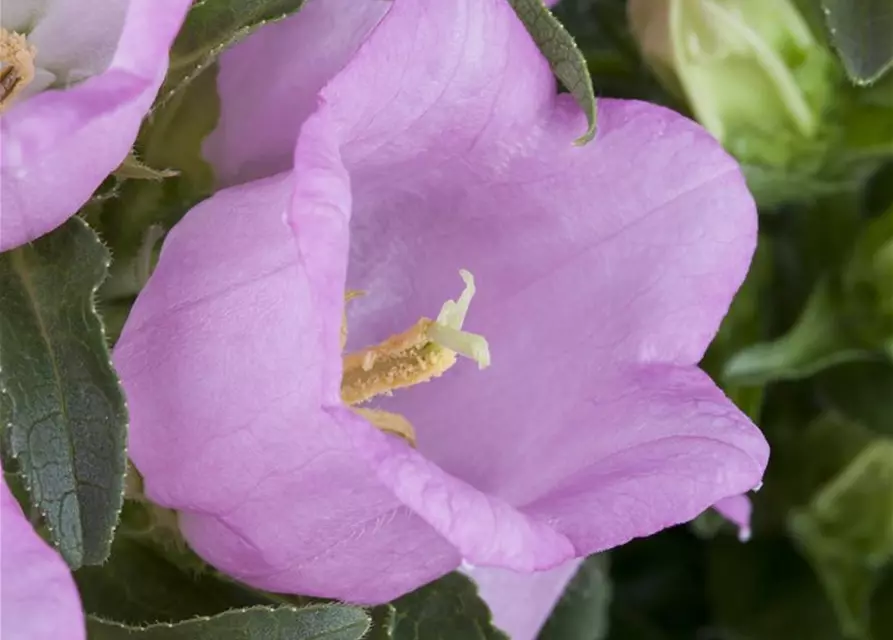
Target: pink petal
{"x":522,"y":602}
{"x":603,"y":272}
{"x":298,"y":56}
{"x":38,"y":597}
{"x":58,"y":146}
{"x":737,"y":509}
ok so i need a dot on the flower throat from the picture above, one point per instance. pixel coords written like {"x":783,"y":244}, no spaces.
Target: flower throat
{"x":423,"y":352}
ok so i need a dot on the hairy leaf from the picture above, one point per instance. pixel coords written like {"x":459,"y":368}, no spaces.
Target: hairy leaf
{"x":59,"y":396}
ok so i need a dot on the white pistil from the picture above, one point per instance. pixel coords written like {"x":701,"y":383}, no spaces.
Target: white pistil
{"x":470,"y":345}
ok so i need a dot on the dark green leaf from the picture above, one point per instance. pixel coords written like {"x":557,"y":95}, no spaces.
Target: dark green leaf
{"x":582,"y":612}
{"x":319,"y":622}
{"x":210,"y":27}
{"x":657,"y":587}
{"x":764,"y":590}
{"x":847,"y":532}
{"x":383,"y":620}
{"x":447,"y":609}
{"x":881,"y":611}
{"x":139,"y":586}
{"x":863,"y":392}
{"x":861,"y":32}
{"x":60,"y":396}
{"x":559,"y":48}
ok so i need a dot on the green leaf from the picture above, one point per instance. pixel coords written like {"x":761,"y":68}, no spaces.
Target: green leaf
{"x":847,"y":532}
{"x":861,"y":32}
{"x":559,"y":48}
{"x":139,"y":586}
{"x":447,"y":609}
{"x":59,"y":395}
{"x":582,"y":612}
{"x":320,"y":622}
{"x":817,"y":341}
{"x":210,"y":27}
{"x":384,"y":618}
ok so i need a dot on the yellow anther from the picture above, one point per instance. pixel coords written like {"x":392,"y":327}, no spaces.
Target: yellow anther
{"x":423,"y":352}
{"x":389,"y":423}
{"x":16,"y":65}
{"x":400,"y":361}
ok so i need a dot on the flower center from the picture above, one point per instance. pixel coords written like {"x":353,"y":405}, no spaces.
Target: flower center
{"x":423,"y":352}
{"x":16,"y":65}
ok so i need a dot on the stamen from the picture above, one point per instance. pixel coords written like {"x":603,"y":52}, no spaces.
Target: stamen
{"x":423,"y":352}
{"x":389,"y":423}
{"x":16,"y":65}
{"x":400,"y":361}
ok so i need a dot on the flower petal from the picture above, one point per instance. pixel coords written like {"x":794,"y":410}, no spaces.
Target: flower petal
{"x":58,"y":146}
{"x":737,"y":509}
{"x":521,"y":602}
{"x":36,"y":581}
{"x":297,"y":56}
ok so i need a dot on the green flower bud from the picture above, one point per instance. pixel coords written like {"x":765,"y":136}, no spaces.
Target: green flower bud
{"x":753,"y":72}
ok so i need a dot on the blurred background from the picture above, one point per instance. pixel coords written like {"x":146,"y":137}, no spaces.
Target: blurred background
{"x":798,"y":91}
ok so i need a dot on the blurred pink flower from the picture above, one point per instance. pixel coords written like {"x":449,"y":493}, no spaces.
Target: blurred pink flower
{"x":85,"y":74}
{"x":602,"y":273}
